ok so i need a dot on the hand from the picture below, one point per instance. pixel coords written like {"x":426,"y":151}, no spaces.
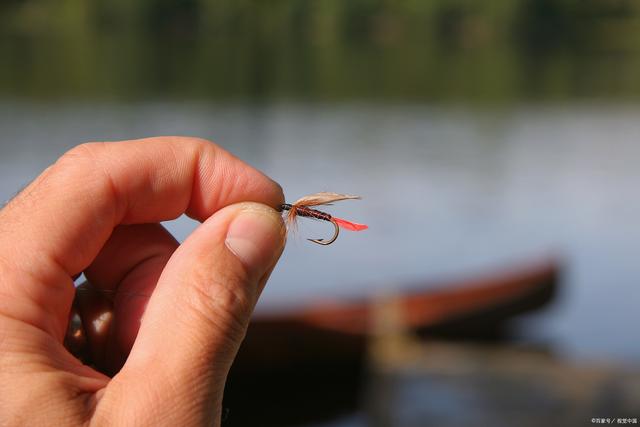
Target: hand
{"x":96,"y":210}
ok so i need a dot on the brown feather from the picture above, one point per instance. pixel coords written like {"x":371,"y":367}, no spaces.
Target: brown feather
{"x":291,"y":218}
{"x":323,"y":198}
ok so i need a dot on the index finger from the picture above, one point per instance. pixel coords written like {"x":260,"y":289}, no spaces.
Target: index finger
{"x":57,"y":225}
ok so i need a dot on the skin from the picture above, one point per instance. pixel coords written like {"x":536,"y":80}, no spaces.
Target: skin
{"x":97,"y":210}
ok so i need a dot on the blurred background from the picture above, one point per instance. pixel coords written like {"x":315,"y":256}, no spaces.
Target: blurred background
{"x":483,"y":136}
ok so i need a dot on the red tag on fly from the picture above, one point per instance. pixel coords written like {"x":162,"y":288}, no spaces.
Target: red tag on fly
{"x":348,"y":225}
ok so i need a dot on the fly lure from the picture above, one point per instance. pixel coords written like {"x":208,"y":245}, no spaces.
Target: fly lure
{"x":303,"y":208}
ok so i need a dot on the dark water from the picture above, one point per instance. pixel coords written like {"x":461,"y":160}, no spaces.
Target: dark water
{"x":447,"y":192}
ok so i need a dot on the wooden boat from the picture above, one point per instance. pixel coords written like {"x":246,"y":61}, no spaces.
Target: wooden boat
{"x":309,"y":365}
{"x":463,"y":308}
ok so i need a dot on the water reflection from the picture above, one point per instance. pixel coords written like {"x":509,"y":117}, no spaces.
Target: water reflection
{"x":447,"y":192}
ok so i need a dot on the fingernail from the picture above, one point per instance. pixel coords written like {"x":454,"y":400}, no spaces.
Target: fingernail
{"x":255,"y":237}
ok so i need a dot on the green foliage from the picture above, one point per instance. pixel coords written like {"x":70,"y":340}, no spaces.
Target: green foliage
{"x":323,"y":50}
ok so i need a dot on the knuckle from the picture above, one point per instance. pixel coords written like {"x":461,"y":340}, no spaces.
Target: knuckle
{"x":193,"y":144}
{"x":198,"y":142}
{"x":202,"y":148}
{"x":85,"y":151}
{"x":81,"y":159}
{"x":224,"y":302}
{"x":87,"y":166}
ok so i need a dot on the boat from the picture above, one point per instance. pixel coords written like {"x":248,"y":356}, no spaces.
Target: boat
{"x":472,"y":307}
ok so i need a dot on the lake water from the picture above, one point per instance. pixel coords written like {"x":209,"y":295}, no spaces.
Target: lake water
{"x":448,"y":192}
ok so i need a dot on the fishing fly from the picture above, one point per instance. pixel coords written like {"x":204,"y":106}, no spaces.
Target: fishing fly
{"x":303,"y":208}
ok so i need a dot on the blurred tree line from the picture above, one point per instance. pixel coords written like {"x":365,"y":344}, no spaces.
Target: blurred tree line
{"x":322,"y":50}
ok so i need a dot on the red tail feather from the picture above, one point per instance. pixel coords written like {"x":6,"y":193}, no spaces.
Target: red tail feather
{"x":347,"y":225}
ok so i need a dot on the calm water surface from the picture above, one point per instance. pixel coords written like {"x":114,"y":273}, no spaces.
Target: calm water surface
{"x":447,"y":192}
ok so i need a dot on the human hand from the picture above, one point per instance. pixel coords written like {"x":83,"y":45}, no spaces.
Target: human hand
{"x":96,"y":210}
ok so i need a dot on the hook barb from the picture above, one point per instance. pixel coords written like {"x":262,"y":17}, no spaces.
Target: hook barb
{"x":332,"y":239}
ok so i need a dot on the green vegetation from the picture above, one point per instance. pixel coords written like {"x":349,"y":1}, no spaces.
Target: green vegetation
{"x":322,"y":50}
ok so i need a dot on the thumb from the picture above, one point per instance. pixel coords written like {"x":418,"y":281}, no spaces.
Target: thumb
{"x":197,"y":317}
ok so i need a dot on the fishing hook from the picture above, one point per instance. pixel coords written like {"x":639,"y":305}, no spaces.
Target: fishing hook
{"x":330,"y":241}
